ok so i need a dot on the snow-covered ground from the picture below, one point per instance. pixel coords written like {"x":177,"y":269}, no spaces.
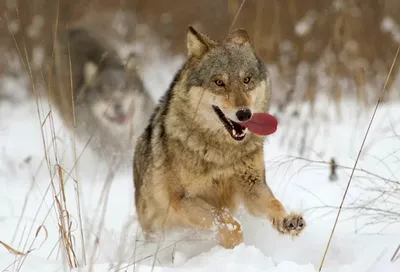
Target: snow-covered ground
{"x":297,"y":157}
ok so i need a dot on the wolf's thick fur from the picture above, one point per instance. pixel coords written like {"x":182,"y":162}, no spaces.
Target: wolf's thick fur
{"x":189,"y":171}
{"x":97,"y":93}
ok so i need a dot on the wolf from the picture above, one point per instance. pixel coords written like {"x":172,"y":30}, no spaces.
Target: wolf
{"x":201,"y":155}
{"x":101,"y":97}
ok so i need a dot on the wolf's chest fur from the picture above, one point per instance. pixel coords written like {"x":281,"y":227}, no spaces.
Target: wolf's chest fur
{"x":212,"y":173}
{"x":216,"y":188}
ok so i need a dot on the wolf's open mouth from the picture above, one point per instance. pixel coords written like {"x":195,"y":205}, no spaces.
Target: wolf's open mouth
{"x":119,"y":119}
{"x":237,"y":131}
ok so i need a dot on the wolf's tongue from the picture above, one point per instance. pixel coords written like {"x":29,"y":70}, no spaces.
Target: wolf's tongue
{"x":120,"y":119}
{"x":261,"y":124}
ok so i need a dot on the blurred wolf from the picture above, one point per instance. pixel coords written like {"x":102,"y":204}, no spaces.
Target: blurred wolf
{"x":111,"y":106}
{"x":195,"y":162}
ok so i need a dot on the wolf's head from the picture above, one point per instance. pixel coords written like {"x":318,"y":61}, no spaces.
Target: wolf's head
{"x":113,"y":94}
{"x":226,"y":82}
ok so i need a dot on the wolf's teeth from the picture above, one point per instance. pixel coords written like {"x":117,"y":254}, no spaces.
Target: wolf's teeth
{"x":234,"y":132}
{"x":245,"y":130}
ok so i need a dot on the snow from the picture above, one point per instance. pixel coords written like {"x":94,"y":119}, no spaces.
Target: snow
{"x":297,"y":172}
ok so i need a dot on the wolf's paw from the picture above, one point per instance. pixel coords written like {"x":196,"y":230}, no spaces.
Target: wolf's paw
{"x":230,"y":235}
{"x":291,"y":224}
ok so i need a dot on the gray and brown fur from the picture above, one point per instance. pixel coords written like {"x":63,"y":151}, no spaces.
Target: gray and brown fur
{"x":188,"y":170}
{"x":97,"y":94}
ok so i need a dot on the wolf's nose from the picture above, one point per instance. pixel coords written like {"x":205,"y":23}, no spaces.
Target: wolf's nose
{"x":118,"y":108}
{"x":243,"y":114}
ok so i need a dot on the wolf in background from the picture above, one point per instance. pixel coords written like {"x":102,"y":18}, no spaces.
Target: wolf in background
{"x":202,"y":153}
{"x":99,"y":96}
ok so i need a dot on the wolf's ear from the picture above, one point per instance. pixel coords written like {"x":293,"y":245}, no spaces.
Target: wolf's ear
{"x":197,"y":43}
{"x":131,"y":62}
{"x":134,"y":62}
{"x":90,"y":71}
{"x":238,"y":36}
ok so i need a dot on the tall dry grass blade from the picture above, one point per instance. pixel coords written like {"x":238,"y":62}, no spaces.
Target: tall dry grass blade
{"x":358,"y":157}
{"x":22,"y":260}
{"x":395,"y":257}
{"x":12,"y":250}
{"x":236,"y":16}
{"x":65,"y":223}
{"x":76,"y":184}
{"x":46,"y":232}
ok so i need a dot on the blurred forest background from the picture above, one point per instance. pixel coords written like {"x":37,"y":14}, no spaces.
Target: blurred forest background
{"x":337,"y":47}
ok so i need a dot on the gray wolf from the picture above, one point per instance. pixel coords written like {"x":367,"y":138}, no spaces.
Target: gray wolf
{"x":101,"y":97}
{"x":199,"y":157}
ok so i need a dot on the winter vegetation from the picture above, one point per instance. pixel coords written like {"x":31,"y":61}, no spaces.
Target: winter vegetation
{"x":335,"y":156}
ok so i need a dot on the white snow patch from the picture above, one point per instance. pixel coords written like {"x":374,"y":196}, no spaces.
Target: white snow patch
{"x":363,"y":240}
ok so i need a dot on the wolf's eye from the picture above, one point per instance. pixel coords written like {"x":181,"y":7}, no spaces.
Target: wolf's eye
{"x":219,"y":82}
{"x":246,"y":80}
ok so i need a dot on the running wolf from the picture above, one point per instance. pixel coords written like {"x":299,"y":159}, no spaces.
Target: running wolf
{"x":97,"y":94}
{"x":202,"y":153}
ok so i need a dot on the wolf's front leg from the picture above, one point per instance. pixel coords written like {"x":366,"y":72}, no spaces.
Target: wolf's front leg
{"x":196,"y":212}
{"x":260,"y":201}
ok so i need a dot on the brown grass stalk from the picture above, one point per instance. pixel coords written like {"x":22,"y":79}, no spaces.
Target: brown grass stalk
{"x":358,"y":156}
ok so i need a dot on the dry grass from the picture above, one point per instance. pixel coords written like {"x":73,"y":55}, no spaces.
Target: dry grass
{"x":338,"y":42}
